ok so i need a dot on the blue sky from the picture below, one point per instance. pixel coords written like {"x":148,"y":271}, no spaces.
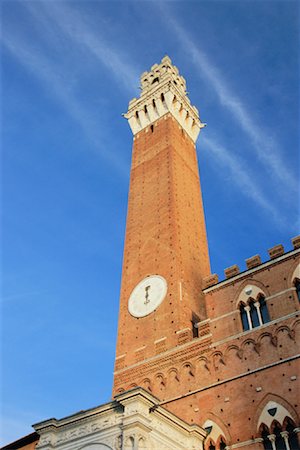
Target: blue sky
{"x":68,"y":72}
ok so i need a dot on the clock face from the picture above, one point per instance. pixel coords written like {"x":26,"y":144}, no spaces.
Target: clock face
{"x":147,"y":296}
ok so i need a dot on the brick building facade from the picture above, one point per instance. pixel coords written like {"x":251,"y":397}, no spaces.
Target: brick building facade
{"x":216,"y":360}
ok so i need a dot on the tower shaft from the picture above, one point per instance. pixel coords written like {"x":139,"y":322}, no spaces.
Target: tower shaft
{"x":165,"y":232}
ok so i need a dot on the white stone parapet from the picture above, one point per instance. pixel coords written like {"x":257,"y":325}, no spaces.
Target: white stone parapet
{"x":163,"y":91}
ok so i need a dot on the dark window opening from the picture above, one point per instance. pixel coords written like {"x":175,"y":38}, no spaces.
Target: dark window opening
{"x":152,"y":128}
{"x":297,"y":286}
{"x":222,"y":445}
{"x":156,"y":80}
{"x":254,"y":315}
{"x":244,"y":318}
{"x":264,"y":310}
{"x":195,"y":329}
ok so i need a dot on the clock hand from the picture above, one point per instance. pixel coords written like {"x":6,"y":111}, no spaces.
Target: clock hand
{"x":147,"y":300}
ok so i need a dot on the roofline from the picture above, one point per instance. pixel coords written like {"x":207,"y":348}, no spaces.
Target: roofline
{"x":250,"y":271}
{"x":25,"y":440}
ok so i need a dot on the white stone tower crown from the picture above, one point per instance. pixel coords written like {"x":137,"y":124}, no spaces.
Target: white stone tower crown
{"x":163,"y":91}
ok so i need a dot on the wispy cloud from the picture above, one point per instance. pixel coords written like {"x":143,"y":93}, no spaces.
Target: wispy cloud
{"x":74,"y":26}
{"x":54,"y":76}
{"x":266,"y":149}
{"x":49,"y":75}
{"x":21,"y":295}
{"x":241,"y":176}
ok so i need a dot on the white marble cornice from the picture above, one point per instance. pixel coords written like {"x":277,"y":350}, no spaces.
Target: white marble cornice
{"x":163,"y":91}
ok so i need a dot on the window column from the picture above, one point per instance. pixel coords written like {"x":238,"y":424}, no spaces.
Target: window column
{"x":247,"y":309}
{"x":257,"y":306}
{"x":272,"y":439}
{"x":285,"y":436}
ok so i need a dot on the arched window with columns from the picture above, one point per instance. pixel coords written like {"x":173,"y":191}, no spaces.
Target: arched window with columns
{"x":277,"y":428}
{"x":253,"y":307}
{"x":216,"y":438}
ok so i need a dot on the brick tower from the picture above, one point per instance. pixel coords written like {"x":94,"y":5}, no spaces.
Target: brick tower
{"x":166,"y":253}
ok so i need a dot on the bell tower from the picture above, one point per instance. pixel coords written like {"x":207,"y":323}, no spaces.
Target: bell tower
{"x":166,"y":252}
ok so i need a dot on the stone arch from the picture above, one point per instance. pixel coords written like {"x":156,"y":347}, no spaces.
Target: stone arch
{"x":188,"y":369}
{"x":233,"y":356}
{"x":250,"y":289}
{"x":271,"y":402}
{"x":218,"y":360}
{"x":216,"y":428}
{"x":204,"y":363}
{"x":295,"y":327}
{"x":247,"y":343}
{"x":95,"y":446}
{"x":142,"y":443}
{"x":265,"y":335}
{"x":287,"y":421}
{"x":251,"y":353}
{"x":173,"y":374}
{"x":160,"y":381}
{"x":295,"y":323}
{"x":294,"y":274}
{"x":264,"y":341}
{"x":129,"y":443}
{"x":146,"y":384}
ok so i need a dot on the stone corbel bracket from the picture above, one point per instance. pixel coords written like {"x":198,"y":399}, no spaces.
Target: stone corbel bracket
{"x":163,"y":91}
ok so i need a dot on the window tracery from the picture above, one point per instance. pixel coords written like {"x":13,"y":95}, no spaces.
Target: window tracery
{"x":280,"y":437}
{"x":254,"y":313}
{"x":277,"y":428}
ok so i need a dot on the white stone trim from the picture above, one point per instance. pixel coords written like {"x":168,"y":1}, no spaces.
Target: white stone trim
{"x":187,"y":344}
{"x":245,"y":443}
{"x":265,"y":325}
{"x":150,"y":107}
{"x":237,"y":311}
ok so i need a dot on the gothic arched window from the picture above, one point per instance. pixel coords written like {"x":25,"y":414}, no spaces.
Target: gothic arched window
{"x":254,"y":313}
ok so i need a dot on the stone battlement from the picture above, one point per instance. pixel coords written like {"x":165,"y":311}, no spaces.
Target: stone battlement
{"x":163,"y":91}
{"x":251,"y":263}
